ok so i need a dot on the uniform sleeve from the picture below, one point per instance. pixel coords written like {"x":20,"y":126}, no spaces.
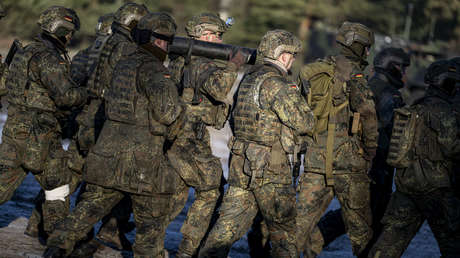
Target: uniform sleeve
{"x":78,"y":68}
{"x":361,"y":101}
{"x":220,"y":80}
{"x":162,"y":93}
{"x":289,"y":105}
{"x":54,"y":74}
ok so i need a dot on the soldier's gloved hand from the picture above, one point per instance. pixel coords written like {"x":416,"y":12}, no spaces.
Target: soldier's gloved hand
{"x":54,"y":252}
{"x":237,"y":57}
{"x":369,"y":153}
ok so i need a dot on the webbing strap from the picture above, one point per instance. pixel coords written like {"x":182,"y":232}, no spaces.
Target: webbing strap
{"x":330,"y":141}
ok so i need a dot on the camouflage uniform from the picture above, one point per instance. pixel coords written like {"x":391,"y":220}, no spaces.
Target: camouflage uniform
{"x":268,"y":116}
{"x":205,"y":84}
{"x":424,"y":189}
{"x":128,"y":158}
{"x":2,"y":65}
{"x":102,"y":58}
{"x":39,"y":94}
{"x":351,"y":149}
{"x":389,"y":65}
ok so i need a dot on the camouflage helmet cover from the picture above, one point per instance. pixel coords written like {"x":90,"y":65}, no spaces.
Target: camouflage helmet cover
{"x":160,"y":25}
{"x":58,"y":18}
{"x":104,"y":24}
{"x":351,"y":32}
{"x":205,"y":21}
{"x":440,"y":71}
{"x":391,"y":55}
{"x":130,"y":12}
{"x":276,"y":42}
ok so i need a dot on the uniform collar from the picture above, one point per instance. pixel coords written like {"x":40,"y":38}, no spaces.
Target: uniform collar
{"x":277,"y":65}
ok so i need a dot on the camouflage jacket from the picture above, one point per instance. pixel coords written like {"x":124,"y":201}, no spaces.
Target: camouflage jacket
{"x":268,"y":116}
{"x":141,"y":102}
{"x":3,"y":73}
{"x":437,"y":146}
{"x":354,"y":96}
{"x":79,"y":69}
{"x":203,"y":86}
{"x":39,"y":79}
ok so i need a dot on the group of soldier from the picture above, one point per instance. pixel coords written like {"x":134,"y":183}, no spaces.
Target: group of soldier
{"x":143,"y":140}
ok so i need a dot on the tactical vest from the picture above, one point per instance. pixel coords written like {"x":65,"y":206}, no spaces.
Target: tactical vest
{"x":124,"y":102}
{"x":252,"y":121}
{"x":99,"y":72}
{"x":203,"y":107}
{"x":21,"y":90}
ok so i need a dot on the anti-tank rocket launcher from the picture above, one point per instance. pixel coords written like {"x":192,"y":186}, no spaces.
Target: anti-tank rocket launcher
{"x":188,"y":47}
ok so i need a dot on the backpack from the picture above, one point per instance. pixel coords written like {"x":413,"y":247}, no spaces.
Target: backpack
{"x":402,"y":141}
{"x":319,"y":78}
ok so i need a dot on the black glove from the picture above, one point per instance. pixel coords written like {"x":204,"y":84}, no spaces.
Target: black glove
{"x":54,"y":252}
{"x":237,"y":57}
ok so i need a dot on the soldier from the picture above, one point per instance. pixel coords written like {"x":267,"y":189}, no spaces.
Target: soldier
{"x":390,"y":66}
{"x":40,"y":92}
{"x":114,"y":40}
{"x":339,"y":154}
{"x":424,"y":189}
{"x":102,"y":57}
{"x":204,"y":85}
{"x":268,"y":116}
{"x":128,"y":159}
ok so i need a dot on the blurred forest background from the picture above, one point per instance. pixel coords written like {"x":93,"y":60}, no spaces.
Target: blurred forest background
{"x":429,"y":29}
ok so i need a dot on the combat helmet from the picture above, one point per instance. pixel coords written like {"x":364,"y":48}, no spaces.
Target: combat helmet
{"x":276,"y":42}
{"x":354,"y":38}
{"x":104,"y":24}
{"x":59,"y":21}
{"x":155,"y":26}
{"x":444,"y":75}
{"x":388,"y":56}
{"x":205,"y":21}
{"x":351,"y":32}
{"x":129,"y":14}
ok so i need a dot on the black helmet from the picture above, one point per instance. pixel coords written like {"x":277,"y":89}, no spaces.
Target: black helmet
{"x":444,"y":75}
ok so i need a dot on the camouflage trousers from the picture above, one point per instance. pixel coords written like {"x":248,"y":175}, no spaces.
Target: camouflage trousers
{"x":150,"y":215}
{"x":200,"y":169}
{"x":352,"y":191}
{"x":331,"y":224}
{"x":405,"y":215}
{"x":56,"y":173}
{"x":276,"y":202}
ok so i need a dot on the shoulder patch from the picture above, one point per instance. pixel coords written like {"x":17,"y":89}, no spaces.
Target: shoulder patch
{"x":359,"y":75}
